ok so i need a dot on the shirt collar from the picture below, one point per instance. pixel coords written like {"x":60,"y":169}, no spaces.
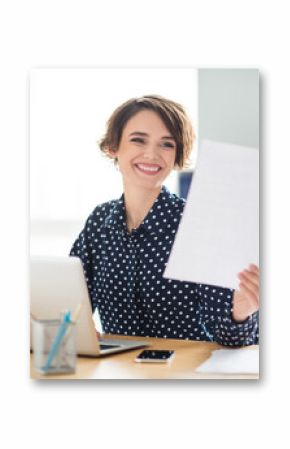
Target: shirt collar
{"x":162,"y":217}
{"x":116,"y":219}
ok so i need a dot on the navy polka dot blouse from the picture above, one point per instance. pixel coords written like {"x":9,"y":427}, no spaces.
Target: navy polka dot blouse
{"x":124,"y":274}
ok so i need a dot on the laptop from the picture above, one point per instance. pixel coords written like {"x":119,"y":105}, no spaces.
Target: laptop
{"x":58,"y":284}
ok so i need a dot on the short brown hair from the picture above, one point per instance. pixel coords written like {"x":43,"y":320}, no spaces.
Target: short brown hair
{"x":171,"y":113}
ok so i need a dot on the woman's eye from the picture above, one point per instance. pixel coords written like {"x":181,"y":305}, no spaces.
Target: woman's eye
{"x":142,"y":141}
{"x":168,"y":145}
{"x":137,"y":139}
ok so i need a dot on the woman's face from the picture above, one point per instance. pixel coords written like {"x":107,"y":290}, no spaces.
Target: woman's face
{"x":147,"y":151}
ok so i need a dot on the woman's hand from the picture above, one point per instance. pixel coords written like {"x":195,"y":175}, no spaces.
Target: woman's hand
{"x":246,"y":299}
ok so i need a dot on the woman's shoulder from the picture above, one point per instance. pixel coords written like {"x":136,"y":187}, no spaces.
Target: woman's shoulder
{"x":101,"y":212}
{"x":176,"y":202}
{"x":104,"y":208}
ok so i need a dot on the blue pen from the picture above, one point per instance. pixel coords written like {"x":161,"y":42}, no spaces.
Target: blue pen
{"x":57,"y":341}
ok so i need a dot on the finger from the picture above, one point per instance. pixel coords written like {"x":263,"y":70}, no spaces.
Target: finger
{"x":250,"y":294}
{"x":247,"y":275}
{"x":254,"y":268}
{"x":250,"y":285}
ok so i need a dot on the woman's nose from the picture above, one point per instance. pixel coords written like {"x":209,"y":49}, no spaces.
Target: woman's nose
{"x":150,"y":151}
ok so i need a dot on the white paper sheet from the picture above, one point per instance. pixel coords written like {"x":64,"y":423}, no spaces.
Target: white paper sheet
{"x":233,"y":361}
{"x":219,"y":232}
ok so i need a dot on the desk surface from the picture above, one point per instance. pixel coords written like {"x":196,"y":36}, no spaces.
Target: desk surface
{"x":188,"y":356}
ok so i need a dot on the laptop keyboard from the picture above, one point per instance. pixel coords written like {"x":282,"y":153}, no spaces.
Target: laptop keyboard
{"x":102,"y":346}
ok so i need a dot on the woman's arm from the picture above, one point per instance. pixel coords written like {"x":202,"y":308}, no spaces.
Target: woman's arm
{"x":82,"y":248}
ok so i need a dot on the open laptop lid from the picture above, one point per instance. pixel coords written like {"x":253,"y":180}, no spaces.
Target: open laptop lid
{"x":58,"y":284}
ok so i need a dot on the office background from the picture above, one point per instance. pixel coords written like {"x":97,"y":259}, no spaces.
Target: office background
{"x":228,"y":108}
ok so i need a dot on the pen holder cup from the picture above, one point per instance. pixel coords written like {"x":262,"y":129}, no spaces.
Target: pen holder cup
{"x":54,"y":346}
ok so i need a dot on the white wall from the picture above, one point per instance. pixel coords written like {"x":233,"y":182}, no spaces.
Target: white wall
{"x":229,"y":106}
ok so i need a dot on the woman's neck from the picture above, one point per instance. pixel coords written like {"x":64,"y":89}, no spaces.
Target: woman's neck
{"x":138,"y":202}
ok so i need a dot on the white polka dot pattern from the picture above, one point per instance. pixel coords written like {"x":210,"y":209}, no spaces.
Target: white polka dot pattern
{"x":124,"y":277}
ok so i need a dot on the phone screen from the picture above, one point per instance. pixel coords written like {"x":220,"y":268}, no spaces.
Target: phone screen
{"x":148,"y":354}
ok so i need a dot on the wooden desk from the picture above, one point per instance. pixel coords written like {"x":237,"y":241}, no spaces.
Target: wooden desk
{"x":188,"y":356}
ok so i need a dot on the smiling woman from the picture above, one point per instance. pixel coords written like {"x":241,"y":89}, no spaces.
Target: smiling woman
{"x":125,"y":244}
{"x":172,"y":116}
{"x":152,"y":154}
{"x":144,"y":163}
{"x":148,"y":137}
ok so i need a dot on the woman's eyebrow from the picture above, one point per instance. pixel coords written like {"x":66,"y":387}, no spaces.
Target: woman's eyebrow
{"x":140,"y":133}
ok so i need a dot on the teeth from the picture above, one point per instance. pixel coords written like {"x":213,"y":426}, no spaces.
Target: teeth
{"x":146,"y":168}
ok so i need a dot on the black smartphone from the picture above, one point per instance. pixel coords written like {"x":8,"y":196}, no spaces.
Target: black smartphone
{"x":155,"y":355}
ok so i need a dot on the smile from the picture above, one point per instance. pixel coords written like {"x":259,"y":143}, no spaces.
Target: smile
{"x":148,"y":169}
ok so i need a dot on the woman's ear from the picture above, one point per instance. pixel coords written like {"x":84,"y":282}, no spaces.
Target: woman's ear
{"x":112,"y":153}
